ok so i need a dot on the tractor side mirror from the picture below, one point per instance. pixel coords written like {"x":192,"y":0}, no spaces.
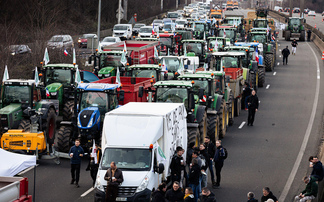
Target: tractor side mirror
{"x":228,"y":79}
{"x":160,"y":168}
{"x":191,"y":101}
{"x":129,"y":60}
{"x":121,"y":95}
{"x":140,"y":91}
{"x":304,"y":20}
{"x":286,"y":20}
{"x":201,"y":93}
{"x":82,"y":75}
{"x":90,"y":60}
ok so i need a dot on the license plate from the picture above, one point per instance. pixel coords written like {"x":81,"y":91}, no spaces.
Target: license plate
{"x":121,"y":199}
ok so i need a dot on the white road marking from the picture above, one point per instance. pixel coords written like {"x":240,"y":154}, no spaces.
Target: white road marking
{"x":274,"y":73}
{"x":87,"y":192}
{"x":280,"y":50}
{"x":259,"y":101}
{"x":278,"y":64}
{"x":268,"y":86}
{"x":26,"y":170}
{"x":242,"y":124}
{"x":280,"y":56}
{"x":306,"y":137}
{"x":278,"y":44}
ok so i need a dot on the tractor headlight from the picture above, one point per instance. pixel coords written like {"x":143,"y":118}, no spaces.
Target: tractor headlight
{"x":107,"y":75}
{"x":90,"y":123}
{"x":99,"y":75}
{"x":79,"y":124}
{"x":143,"y":185}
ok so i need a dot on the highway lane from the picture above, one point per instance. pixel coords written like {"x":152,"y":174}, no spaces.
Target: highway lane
{"x":262,"y":155}
{"x":311,"y":21}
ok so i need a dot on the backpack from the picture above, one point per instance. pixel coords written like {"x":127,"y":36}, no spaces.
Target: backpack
{"x":225,"y":152}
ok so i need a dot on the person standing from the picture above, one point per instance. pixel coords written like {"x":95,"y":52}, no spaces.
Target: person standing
{"x":194,"y":175}
{"x":174,"y":194}
{"x":267,"y":194}
{"x":310,"y":192}
{"x":94,"y":162}
{"x":176,"y":165}
{"x":114,"y":177}
{"x":253,"y":103}
{"x":285,"y":53}
{"x":246,"y":93}
{"x":210,"y":147}
{"x":251,"y":198}
{"x":159,"y":194}
{"x":76,"y":153}
{"x":294,"y":45}
{"x":309,"y":34}
{"x":317,"y":166}
{"x":205,"y":157}
{"x":207,"y":195}
{"x":219,"y":162}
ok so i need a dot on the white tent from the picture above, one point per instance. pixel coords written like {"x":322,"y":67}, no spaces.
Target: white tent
{"x":12,"y":163}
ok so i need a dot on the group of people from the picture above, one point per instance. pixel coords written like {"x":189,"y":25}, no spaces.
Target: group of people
{"x":285,"y":52}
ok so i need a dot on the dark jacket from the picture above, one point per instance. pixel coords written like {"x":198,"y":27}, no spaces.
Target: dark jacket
{"x":118,"y":175}
{"x":253,"y":102}
{"x":190,"y":198}
{"x":311,"y":188}
{"x":247,"y":91}
{"x":158,"y":196}
{"x":176,"y":166}
{"x":204,"y":157}
{"x":318,"y":171}
{"x":294,"y":43}
{"x":189,"y":155}
{"x":194,"y":174}
{"x":252,"y":200}
{"x":76,"y":159}
{"x":219,"y":154}
{"x":285,"y":52}
{"x":173,"y":196}
{"x":270,"y":195}
{"x":210,"y":147}
{"x":210,"y":198}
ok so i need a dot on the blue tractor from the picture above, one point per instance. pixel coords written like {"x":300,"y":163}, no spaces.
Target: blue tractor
{"x":92,"y":102}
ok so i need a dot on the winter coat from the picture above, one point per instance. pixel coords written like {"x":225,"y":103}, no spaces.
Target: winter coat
{"x":158,"y":196}
{"x":190,"y":198}
{"x":118,"y":175}
{"x":285,"y":52}
{"x":318,"y":171}
{"x":218,"y":158}
{"x":210,"y":147}
{"x":270,"y":195}
{"x":253,"y":102}
{"x":311,"y":188}
{"x":173,"y":196}
{"x":176,"y":166}
{"x":252,"y":200}
{"x":194,"y":174}
{"x":76,"y":159}
{"x":210,"y":198}
{"x":204,"y":154}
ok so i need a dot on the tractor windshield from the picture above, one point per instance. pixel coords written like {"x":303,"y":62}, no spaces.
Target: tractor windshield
{"x":229,"y":33}
{"x":194,"y":47}
{"x":173,"y":95}
{"x":94,"y":99}
{"x":260,"y":38}
{"x":110,"y":60}
{"x":172,"y":64}
{"x":261,"y":24}
{"x":200,"y":27}
{"x":166,"y":41}
{"x":127,"y":158}
{"x":295,"y":21}
{"x":16,"y":94}
{"x":144,"y":73}
{"x":212,"y":44}
{"x":62,"y":76}
{"x":230,"y":62}
{"x":216,"y":16}
{"x":200,"y":84}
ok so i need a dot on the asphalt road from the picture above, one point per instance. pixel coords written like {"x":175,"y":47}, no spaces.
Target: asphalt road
{"x":258,"y":156}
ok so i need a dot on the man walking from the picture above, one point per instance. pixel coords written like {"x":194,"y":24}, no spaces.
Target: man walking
{"x":294,"y":45}
{"x":76,"y":152}
{"x":317,"y":166}
{"x":285,"y":53}
{"x":94,"y":162}
{"x":194,"y":175}
{"x":310,"y":191}
{"x":114,"y":177}
{"x":210,"y":147}
{"x":253,"y":103}
{"x":219,"y":162}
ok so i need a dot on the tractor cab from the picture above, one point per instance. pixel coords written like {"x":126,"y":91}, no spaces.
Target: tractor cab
{"x":227,"y":61}
{"x":221,"y":43}
{"x":170,"y":66}
{"x":108,"y":63}
{"x":145,"y":71}
{"x":196,"y":48}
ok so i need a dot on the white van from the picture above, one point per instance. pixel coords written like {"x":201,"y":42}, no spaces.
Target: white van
{"x":123,"y":31}
{"x":141,"y":139}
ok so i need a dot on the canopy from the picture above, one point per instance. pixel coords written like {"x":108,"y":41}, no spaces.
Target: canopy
{"x":12,"y":163}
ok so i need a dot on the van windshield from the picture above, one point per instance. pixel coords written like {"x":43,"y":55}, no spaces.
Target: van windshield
{"x":120,"y":27}
{"x":127,"y":158}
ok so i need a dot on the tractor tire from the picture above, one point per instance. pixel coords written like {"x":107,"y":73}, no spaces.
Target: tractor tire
{"x":268,"y":62}
{"x":302,"y":36}
{"x":237,"y":106}
{"x":213,"y":127}
{"x":68,"y":110}
{"x":261,"y":77}
{"x":193,"y":136}
{"x":25,"y":125}
{"x":203,"y":128}
{"x":63,"y":138}
{"x":231,"y":110}
{"x":222,"y":120}
{"x":49,"y":126}
{"x":287,"y":35}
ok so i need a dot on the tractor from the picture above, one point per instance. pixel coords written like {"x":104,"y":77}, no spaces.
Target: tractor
{"x":145,"y":71}
{"x":196,"y":48}
{"x":295,"y":29}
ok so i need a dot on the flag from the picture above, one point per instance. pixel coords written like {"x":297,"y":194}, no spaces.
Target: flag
{"x":65,"y":52}
{"x":158,"y":34}
{"x":36,"y":77}
{"x":123,"y":59}
{"x":125,"y":49}
{"x":77,"y":76}
{"x":46,"y":57}
{"x":224,"y":33}
{"x":47,"y":93}
{"x":99,"y":46}
{"x":153,"y":30}
{"x":160,"y":157}
{"x":168,"y":51}
{"x":216,"y":46}
{"x":118,"y":78}
{"x":181,"y":68}
{"x":205,"y":66}
{"x":257,"y":55}
{"x":74,"y":57}
{"x":164,"y":66}
{"x":204,"y":36}
{"x":5,"y":74}
{"x":94,"y":152}
{"x":185,"y":51}
{"x":156,"y":54}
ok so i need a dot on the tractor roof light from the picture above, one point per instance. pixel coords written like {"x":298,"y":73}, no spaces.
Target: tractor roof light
{"x":151,"y":146}
{"x":192,"y":82}
{"x":212,"y":74}
{"x":152,"y":76}
{"x":160,"y":65}
{"x":40,"y":74}
{"x":41,"y":63}
{"x":97,"y":50}
{"x":151,"y":81}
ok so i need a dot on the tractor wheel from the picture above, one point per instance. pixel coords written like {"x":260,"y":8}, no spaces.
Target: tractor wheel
{"x":25,"y":125}
{"x":68,"y":110}
{"x":63,"y":138}
{"x":237,"y":106}
{"x":49,"y":126}
{"x":213,"y":127}
{"x":261,"y":77}
{"x":203,"y":128}
{"x":231,"y":110}
{"x":268,"y":62}
{"x":302,"y":36}
{"x":193,"y":136}
{"x":287,"y":35}
{"x":222,"y":119}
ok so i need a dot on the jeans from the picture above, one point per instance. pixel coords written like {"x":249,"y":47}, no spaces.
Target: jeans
{"x":285,"y":58}
{"x":211,"y":170}
{"x":297,"y":198}
{"x":218,"y":167}
{"x":204,"y":179}
{"x":75,"y":172}
{"x":195,"y":189}
{"x":251,"y":115}
{"x":246,"y":102}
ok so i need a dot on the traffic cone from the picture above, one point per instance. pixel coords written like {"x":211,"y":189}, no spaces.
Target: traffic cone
{"x":315,"y":26}
{"x":323,"y":56}
{"x":322,"y":19}
{"x":314,"y":17}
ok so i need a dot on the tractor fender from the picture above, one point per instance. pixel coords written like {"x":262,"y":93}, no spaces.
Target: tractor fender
{"x":218,"y":104}
{"x":200,"y":113}
{"x":44,"y":107}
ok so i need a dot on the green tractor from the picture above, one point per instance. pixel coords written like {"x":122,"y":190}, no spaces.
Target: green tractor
{"x":182,"y":92}
{"x":206,"y":85}
{"x":17,"y":96}
{"x":58,"y":87}
{"x":199,"y":29}
{"x":295,"y":29}
{"x":145,"y":71}
{"x":268,"y":50}
{"x":196,"y":48}
{"x":221,"y":42}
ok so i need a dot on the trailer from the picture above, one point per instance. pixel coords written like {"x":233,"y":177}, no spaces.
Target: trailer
{"x":14,"y":189}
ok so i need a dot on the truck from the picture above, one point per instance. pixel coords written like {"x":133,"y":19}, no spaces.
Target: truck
{"x":229,"y":5}
{"x":294,"y":29}
{"x":108,"y":58}
{"x":14,"y":189}
{"x":141,"y":138}
{"x":235,"y":5}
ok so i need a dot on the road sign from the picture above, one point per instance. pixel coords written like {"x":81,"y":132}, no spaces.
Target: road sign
{"x":121,"y":8}
{"x":121,"y":15}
